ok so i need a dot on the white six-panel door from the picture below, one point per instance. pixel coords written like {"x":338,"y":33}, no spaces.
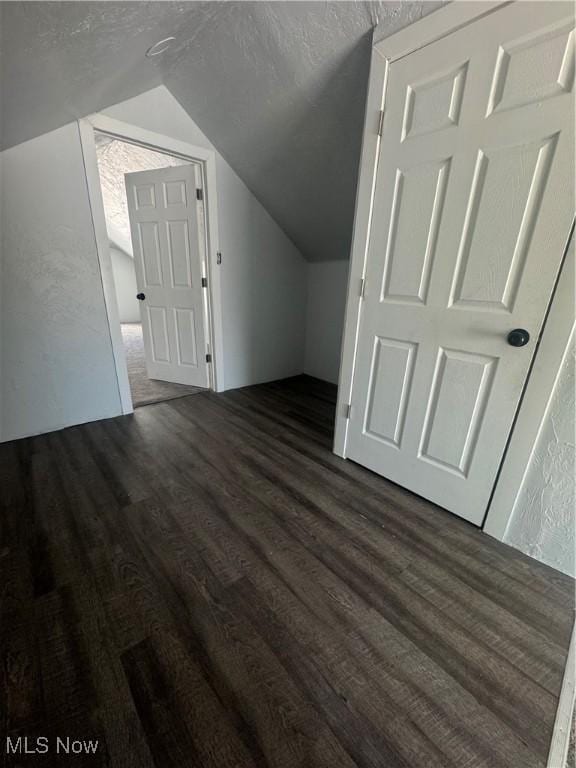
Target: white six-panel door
{"x":165,"y":223}
{"x":473,"y":204}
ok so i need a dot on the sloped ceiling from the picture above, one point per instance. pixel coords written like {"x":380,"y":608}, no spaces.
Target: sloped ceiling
{"x":115,"y":158}
{"x":63,"y":60}
{"x":278,"y":87}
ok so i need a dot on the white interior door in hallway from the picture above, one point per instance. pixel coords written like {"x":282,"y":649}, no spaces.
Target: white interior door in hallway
{"x":166,"y":225}
{"x":473,"y":202}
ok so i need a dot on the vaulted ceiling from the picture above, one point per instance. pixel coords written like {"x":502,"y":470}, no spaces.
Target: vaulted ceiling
{"x":278,"y":87}
{"x":115,"y":158}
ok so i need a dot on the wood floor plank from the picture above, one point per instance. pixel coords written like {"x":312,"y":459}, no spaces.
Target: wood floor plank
{"x":330,"y":605}
{"x":203,"y":583}
{"x":431,"y":534}
{"x":376,"y":544}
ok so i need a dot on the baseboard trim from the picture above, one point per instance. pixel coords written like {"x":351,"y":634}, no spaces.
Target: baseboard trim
{"x":563,"y":723}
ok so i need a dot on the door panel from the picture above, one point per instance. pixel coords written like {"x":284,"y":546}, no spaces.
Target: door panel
{"x":460,"y":388}
{"x":473,"y":203}
{"x":416,"y":211}
{"x":149,"y":246}
{"x":391,"y":374}
{"x":186,"y":336}
{"x":179,"y":254}
{"x":536,"y":67}
{"x":168,"y":256}
{"x":435,"y":103}
{"x":159,"y":334}
{"x":504,"y":202}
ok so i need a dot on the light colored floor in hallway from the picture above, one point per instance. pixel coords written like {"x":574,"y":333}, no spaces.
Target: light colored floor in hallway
{"x":145,"y":390}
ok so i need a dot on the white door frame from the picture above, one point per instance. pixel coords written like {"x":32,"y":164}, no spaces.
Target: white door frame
{"x":555,"y":335}
{"x":206,"y":158}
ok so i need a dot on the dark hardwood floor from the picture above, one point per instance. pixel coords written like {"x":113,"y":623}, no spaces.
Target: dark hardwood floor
{"x":205,"y":584}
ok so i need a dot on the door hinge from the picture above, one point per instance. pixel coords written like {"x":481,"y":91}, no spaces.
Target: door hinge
{"x":204,"y":282}
{"x":381,"y":123}
{"x":218,"y":257}
{"x":362,"y":287}
{"x":199,"y":194}
{"x":347,"y":410}
{"x":208,"y":358}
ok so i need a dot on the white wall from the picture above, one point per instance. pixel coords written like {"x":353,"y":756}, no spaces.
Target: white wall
{"x":57,"y":365}
{"x":125,"y":285}
{"x":542,"y":523}
{"x":57,"y":362}
{"x":327,"y":283}
{"x":263,"y":274}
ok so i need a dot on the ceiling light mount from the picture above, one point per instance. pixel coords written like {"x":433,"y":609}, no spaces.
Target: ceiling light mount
{"x":160,"y":47}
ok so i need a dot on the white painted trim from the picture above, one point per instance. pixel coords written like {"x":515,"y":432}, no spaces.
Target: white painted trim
{"x":90,"y":161}
{"x":433,"y":27}
{"x":563,"y":722}
{"x":384,"y":52}
{"x":156,"y":141}
{"x":554,"y":346}
{"x":560,"y":324}
{"x":360,"y":235}
{"x":207,"y":158}
{"x":214,"y":282}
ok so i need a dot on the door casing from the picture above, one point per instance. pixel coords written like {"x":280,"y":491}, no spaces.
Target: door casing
{"x":553,"y":342}
{"x":207,"y":160}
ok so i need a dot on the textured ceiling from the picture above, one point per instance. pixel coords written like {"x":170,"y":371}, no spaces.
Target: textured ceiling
{"x":115,"y":158}
{"x":63,"y":60}
{"x":278,"y":87}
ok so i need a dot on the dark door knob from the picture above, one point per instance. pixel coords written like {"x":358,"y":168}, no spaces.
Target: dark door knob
{"x":140,"y":296}
{"x":518,"y":337}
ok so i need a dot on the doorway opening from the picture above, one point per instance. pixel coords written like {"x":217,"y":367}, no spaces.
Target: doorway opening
{"x":157,"y":254}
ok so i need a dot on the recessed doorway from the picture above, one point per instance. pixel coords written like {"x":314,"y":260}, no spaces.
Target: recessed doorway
{"x":157,"y":255}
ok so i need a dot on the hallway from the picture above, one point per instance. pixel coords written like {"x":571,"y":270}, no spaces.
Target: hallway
{"x":146,"y":391}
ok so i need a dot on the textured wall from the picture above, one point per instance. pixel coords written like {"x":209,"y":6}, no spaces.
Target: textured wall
{"x":543,"y":521}
{"x":263,"y":274}
{"x":125,"y":286}
{"x":327,"y":283}
{"x":57,"y":359}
